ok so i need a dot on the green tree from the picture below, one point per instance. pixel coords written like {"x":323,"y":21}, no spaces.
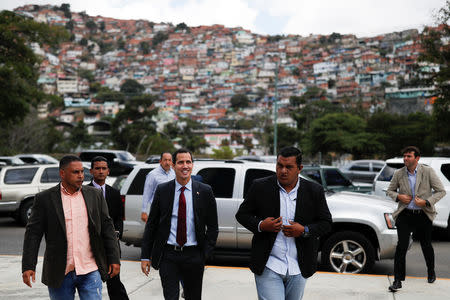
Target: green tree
{"x":342,"y":133}
{"x":145,"y":47}
{"x":312,"y":111}
{"x":156,"y":144}
{"x":131,"y":88}
{"x":91,"y":25}
{"x":182,"y":26}
{"x":437,"y":51}
{"x":287,"y":136}
{"x":239,"y":101}
{"x":397,"y":131}
{"x":19,"y":65}
{"x":248,"y":144}
{"x":159,"y":38}
{"x":224,"y":152}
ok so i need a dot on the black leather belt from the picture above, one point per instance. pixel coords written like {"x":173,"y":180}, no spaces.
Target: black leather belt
{"x":180,"y":249}
{"x":414,"y":211}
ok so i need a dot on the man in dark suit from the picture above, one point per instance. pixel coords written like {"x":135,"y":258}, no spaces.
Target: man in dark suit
{"x":181,"y":231}
{"x":81,"y":245}
{"x":287,"y":215}
{"x":100,"y":170}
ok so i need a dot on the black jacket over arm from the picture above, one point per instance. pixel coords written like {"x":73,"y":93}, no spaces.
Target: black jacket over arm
{"x":157,"y":229}
{"x":263,"y":200}
{"x":47,"y":219}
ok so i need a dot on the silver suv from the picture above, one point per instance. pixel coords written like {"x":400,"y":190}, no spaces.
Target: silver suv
{"x":363,"y":230}
{"x":18,"y":185}
{"x":441,"y":165}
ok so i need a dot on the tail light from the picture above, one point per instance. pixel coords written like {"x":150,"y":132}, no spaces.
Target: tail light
{"x":122,"y":197}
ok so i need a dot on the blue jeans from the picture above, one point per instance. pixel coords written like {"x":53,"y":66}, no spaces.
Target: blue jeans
{"x":273,"y":286}
{"x":89,"y":287}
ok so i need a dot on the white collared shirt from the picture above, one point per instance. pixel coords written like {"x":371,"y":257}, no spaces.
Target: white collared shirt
{"x":102,"y":187}
{"x":190,"y":226}
{"x":283,"y":257}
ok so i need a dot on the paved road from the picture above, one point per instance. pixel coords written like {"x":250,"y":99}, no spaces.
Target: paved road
{"x":11,"y":236}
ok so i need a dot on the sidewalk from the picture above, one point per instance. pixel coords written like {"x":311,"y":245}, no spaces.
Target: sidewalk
{"x":222,"y":283}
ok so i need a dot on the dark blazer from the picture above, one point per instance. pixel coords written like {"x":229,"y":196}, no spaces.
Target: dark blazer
{"x":47,"y":218}
{"x":115,"y":207}
{"x":263,"y":200}
{"x":157,"y":229}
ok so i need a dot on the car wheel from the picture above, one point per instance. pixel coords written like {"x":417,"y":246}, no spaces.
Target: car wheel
{"x":348,"y":252}
{"x":25,"y":212}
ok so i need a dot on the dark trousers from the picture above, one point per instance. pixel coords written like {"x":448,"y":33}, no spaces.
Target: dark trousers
{"x":421,"y":226}
{"x":116,"y":289}
{"x":187,"y":265}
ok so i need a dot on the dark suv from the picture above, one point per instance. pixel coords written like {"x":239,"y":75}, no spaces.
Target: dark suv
{"x":120,"y":162}
{"x":332,"y":179}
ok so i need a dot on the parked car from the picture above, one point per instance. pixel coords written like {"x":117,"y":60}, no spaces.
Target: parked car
{"x":120,"y":162}
{"x":37,"y":159}
{"x":261,"y":158}
{"x":11,"y":161}
{"x":363,"y":230}
{"x":332,"y":179}
{"x":362,"y":170}
{"x":19,"y":184}
{"x":441,"y":165}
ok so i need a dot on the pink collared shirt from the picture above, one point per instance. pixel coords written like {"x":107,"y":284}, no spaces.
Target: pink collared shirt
{"x":79,"y":254}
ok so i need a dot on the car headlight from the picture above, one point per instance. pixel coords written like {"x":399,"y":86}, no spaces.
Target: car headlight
{"x":390,"y":222}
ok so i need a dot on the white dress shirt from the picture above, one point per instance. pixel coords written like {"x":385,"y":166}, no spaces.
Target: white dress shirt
{"x":190,"y":226}
{"x":283,"y":257}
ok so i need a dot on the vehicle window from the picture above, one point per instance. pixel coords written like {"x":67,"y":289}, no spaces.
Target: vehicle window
{"x":88,"y":156}
{"x":253,"y":174}
{"x":445,"y":169}
{"x":360,"y":167}
{"x":87,"y":175}
{"x":29,"y":160}
{"x":333,"y":177}
{"x":50,"y":175}
{"x":137,"y":186}
{"x":221,"y":180}
{"x":313,"y":174}
{"x":126,"y":156}
{"x":388,"y":171}
{"x":19,"y":176}
{"x":377,"y":167}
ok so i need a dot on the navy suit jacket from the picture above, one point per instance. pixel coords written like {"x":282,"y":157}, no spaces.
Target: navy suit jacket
{"x":157,"y":229}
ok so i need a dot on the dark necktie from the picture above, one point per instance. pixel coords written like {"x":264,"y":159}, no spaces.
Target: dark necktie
{"x":181,"y":227}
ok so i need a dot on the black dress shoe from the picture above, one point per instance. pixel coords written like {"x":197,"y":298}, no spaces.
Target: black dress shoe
{"x":395,"y":286}
{"x":431,"y":277}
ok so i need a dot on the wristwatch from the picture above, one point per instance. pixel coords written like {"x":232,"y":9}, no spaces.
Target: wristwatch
{"x":305,"y":232}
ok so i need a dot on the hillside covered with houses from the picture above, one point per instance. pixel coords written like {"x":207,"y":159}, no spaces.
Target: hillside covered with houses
{"x":194,"y":72}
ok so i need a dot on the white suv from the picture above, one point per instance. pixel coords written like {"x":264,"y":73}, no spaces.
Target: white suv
{"x":18,"y":185}
{"x":441,"y":165}
{"x":363,"y":230}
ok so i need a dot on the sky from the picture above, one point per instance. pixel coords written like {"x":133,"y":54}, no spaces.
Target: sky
{"x":364,"y":18}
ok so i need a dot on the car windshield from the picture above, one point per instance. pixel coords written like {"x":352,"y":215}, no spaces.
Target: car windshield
{"x":125,"y":155}
{"x":388,"y":171}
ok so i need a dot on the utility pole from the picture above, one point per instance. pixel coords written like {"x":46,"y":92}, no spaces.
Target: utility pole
{"x":275,"y":110}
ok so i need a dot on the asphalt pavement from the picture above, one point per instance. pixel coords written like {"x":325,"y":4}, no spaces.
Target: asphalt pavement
{"x":235,"y":283}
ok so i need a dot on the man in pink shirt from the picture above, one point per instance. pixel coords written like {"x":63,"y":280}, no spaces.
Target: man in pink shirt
{"x":81,"y":245}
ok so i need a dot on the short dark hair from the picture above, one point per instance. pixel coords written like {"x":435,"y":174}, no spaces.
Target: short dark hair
{"x":411,"y":149}
{"x":181,"y":150}
{"x":66,"y":160}
{"x":162,"y":153}
{"x":292,"y":151}
{"x":99,"y":158}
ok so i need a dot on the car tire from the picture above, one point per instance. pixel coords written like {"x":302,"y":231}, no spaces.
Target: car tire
{"x":25,"y":211}
{"x":348,"y":252}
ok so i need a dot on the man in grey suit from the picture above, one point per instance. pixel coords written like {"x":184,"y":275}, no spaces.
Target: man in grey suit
{"x":81,"y":245}
{"x":412,"y":186}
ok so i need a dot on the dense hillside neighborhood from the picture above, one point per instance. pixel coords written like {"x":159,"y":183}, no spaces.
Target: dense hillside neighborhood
{"x":194,"y":72}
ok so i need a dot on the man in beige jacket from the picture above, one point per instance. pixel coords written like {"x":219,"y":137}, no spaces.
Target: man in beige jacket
{"x":412,"y":186}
